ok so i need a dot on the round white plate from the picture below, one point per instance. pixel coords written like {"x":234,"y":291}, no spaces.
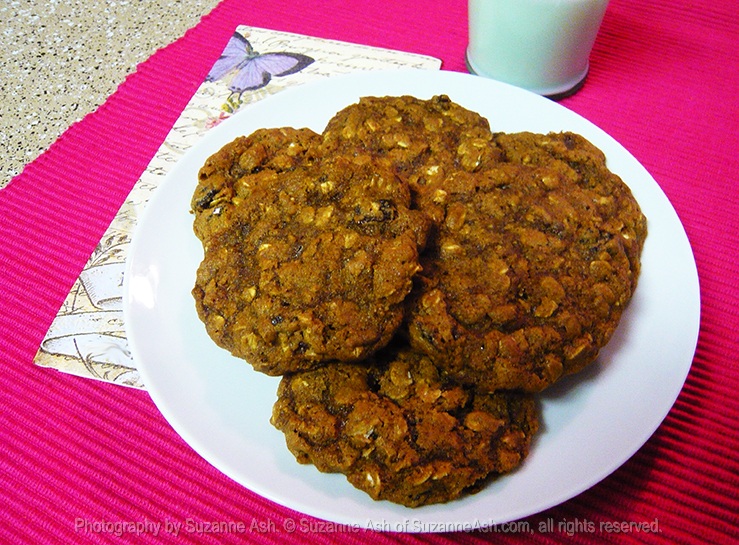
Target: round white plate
{"x":592,"y":422}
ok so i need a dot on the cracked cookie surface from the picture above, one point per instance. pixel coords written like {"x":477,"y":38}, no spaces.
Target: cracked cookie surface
{"x":307,"y":264}
{"x":415,"y":278}
{"x":399,"y":431}
{"x":531,"y":265}
{"x":422,"y":141}
{"x":223,"y":179}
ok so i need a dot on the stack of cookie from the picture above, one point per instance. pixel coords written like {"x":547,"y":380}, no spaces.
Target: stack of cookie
{"x":415,"y":279}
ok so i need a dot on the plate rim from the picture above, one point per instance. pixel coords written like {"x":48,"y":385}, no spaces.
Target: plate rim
{"x":398,"y":76}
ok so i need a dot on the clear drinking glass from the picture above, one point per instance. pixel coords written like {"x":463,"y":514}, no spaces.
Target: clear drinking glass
{"x":541,"y":45}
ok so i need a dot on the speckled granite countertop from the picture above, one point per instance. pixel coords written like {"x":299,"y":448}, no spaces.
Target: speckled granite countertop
{"x":60,"y":59}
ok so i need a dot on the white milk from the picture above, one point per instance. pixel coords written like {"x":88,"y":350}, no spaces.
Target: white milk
{"x":541,"y":45}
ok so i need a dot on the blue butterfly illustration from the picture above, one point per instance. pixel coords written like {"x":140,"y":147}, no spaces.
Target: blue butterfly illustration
{"x":253,"y":70}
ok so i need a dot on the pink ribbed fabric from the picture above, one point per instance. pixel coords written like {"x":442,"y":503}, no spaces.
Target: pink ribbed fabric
{"x":663,"y":82}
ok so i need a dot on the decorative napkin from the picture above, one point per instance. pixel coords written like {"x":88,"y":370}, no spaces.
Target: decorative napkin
{"x":87,"y":338}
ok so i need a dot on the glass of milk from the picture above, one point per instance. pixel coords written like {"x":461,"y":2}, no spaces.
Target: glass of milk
{"x":541,"y":45}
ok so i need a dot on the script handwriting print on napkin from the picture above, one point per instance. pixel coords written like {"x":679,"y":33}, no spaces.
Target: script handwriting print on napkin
{"x":88,"y":336}
{"x":250,"y":70}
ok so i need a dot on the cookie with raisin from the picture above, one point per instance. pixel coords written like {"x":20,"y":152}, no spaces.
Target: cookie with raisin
{"x":528,"y":272}
{"x":400,"y":431}
{"x":223,"y":179}
{"x":422,"y":140}
{"x":311,"y":266}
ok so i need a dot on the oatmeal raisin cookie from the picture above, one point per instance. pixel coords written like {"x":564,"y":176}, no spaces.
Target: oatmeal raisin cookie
{"x":401,"y":432}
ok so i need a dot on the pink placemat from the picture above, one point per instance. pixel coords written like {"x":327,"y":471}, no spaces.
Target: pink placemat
{"x":86,"y":461}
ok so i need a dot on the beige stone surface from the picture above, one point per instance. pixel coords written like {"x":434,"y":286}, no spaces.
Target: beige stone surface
{"x":60,"y":59}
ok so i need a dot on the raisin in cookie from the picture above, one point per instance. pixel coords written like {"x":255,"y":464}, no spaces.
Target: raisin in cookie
{"x":421,"y":140}
{"x":575,"y":159}
{"x":399,"y":431}
{"x":222,"y":180}
{"x":528,"y":272}
{"x":311,"y":266}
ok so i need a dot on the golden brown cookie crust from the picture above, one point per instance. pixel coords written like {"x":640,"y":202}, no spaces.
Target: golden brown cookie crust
{"x":308,"y":264}
{"x":265,"y":152}
{"x":531,"y":265}
{"x":401,"y":432}
{"x":421,"y":140}
{"x":414,"y":278}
